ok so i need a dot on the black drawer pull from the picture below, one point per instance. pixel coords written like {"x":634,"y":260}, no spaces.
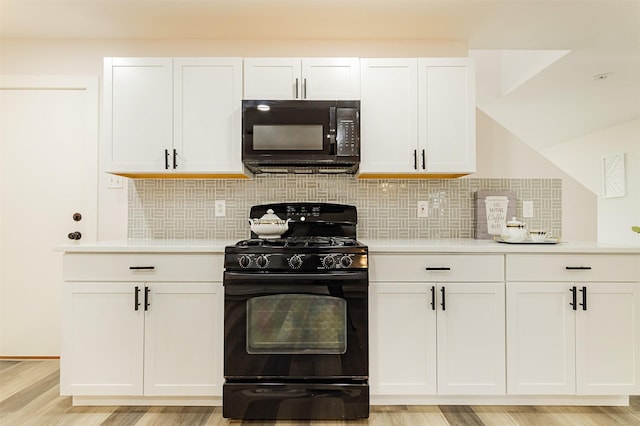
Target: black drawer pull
{"x":433,"y":297}
{"x":584,"y":298}
{"x":166,"y":159}
{"x":574,"y":298}
{"x":438,"y":268}
{"x":142,"y":268}
{"x":443,"y":299}
{"x":146,"y":298}
{"x":136,"y":302}
{"x":577,"y":268}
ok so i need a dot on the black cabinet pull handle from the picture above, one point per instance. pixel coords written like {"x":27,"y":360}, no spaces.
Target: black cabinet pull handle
{"x":584,"y":298}
{"x":424,"y":162}
{"x":443,"y":299}
{"x":136,"y":302}
{"x":296,"y":88}
{"x":175,"y":159}
{"x":577,"y":268}
{"x":304,"y":88}
{"x":142,"y":268}
{"x":146,"y":298}
{"x":166,"y":159}
{"x":415,"y":159}
{"x":574,"y":298}
{"x":433,"y":297}
{"x":438,"y":268}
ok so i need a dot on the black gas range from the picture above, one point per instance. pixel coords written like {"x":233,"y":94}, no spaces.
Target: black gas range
{"x":296,"y":318}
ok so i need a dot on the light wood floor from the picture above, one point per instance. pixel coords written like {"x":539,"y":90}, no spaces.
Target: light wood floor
{"x":29,"y":395}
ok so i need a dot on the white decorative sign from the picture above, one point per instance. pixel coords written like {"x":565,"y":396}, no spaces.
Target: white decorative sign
{"x":613,"y":175}
{"x":496,"y":209}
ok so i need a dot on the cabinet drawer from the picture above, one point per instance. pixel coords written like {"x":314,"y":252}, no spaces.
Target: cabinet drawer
{"x":142,"y":267}
{"x":436,"y":268}
{"x":573,"y":268}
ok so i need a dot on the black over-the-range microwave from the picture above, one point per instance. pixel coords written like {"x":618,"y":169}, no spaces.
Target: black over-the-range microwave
{"x":282,"y":136}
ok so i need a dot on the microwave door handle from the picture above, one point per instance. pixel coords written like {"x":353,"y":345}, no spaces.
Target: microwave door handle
{"x":332,"y":131}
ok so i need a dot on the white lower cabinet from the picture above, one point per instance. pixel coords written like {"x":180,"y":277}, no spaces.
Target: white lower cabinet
{"x":444,"y":338}
{"x":573,"y":336}
{"x":141,"y":338}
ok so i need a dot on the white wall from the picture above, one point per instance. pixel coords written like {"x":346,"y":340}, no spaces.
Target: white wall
{"x":583,"y":157}
{"x":501,"y":154}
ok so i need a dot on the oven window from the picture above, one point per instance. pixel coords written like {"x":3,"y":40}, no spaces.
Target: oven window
{"x":296,"y":324}
{"x":305,"y":137}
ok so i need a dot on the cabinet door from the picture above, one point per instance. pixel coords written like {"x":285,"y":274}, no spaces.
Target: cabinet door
{"x":272,"y":78}
{"x":471,"y":341}
{"x":330,"y":78}
{"x":207,"y":114}
{"x":402,"y":339}
{"x":183,"y":340}
{"x":138,"y":112}
{"x":102,"y":340}
{"x":389,"y":127}
{"x":446,"y":108}
{"x":540,"y":339}
{"x":608,"y":340}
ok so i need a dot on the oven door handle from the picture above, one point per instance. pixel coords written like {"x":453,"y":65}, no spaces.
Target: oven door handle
{"x":293,"y":278}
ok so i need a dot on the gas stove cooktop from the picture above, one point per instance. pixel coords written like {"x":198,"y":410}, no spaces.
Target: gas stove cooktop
{"x":321,"y":238}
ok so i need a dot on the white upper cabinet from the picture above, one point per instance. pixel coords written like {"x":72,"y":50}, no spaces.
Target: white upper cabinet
{"x":207,"y":114}
{"x":138,"y":112}
{"x":418,"y":117}
{"x":446,"y":115}
{"x":181,"y":115}
{"x":302,"y":78}
{"x":389,"y":116}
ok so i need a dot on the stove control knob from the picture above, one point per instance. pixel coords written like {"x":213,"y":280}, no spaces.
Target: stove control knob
{"x":328,"y":262}
{"x":346,"y":261}
{"x":262,"y":261}
{"x":244,"y":261}
{"x":295,"y":261}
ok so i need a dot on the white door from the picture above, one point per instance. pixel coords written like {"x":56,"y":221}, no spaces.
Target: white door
{"x":471,"y":341}
{"x":540,"y":339}
{"x":608,"y":340}
{"x":138,"y":114}
{"x":272,"y":78}
{"x":389,"y":107}
{"x":402,"y":339}
{"x":48,"y":156}
{"x":446,"y":108}
{"x":103,"y":336}
{"x":207,"y":114}
{"x":331,"y":78}
{"x":183,"y":341}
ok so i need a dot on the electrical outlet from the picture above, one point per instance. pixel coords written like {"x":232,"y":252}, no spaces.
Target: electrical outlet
{"x":423,"y":209}
{"x":221,"y":208}
{"x":527,"y":209}
{"x":115,"y":182}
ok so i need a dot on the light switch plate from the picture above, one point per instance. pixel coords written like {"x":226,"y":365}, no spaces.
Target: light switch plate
{"x":221,"y":208}
{"x":115,"y":182}
{"x":527,"y":209}
{"x":423,"y":209}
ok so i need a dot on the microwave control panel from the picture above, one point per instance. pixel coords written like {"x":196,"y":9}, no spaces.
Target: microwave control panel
{"x":348,"y":132}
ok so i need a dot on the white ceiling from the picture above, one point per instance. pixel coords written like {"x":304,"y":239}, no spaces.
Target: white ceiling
{"x":558,"y":103}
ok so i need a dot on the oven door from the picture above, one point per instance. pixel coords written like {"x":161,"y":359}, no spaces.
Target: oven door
{"x":292,"y":326}
{"x":287,"y":131}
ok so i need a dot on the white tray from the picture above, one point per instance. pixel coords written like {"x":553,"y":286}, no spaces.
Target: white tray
{"x":547,"y":241}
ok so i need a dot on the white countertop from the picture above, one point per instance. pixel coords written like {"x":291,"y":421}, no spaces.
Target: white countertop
{"x":375,"y":246}
{"x":147,"y":246}
{"x":489,"y":246}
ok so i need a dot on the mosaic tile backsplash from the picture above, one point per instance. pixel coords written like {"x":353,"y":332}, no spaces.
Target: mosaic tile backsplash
{"x":184,"y":208}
